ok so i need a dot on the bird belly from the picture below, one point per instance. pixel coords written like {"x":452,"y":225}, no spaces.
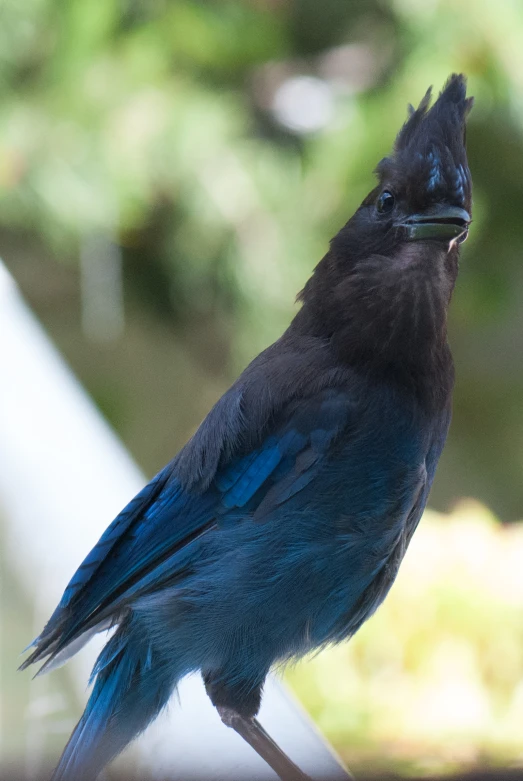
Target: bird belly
{"x":254,"y":604}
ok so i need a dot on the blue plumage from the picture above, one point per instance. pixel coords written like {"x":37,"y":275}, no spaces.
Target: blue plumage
{"x":281,"y":525}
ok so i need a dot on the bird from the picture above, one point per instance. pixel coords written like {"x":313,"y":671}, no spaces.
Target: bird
{"x":280,"y":526}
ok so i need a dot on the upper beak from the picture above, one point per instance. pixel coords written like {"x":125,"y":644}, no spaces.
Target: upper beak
{"x":441,"y":222}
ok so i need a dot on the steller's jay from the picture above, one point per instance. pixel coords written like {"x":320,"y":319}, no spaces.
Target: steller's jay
{"x":280,"y":526}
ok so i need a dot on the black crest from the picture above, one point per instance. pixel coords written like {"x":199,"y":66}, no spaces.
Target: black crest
{"x":429,"y":160}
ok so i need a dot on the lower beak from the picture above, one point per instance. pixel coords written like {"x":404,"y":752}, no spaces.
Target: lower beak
{"x":439,"y":223}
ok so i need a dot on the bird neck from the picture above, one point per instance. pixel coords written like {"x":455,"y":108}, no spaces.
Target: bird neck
{"x":385,"y":318}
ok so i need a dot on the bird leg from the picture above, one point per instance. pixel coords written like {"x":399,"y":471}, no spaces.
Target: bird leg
{"x":254,"y":734}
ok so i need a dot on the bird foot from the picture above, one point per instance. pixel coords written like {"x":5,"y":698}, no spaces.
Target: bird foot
{"x":230,"y":717}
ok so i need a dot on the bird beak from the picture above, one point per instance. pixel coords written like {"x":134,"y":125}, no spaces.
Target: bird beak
{"x":441,"y":223}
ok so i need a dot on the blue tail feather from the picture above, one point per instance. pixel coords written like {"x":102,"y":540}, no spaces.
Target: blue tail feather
{"x":128,"y":693}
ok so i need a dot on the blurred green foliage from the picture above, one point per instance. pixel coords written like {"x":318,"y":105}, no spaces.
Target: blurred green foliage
{"x":159,"y":124}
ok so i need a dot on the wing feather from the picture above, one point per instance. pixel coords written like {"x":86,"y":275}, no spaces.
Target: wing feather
{"x":149,"y":542}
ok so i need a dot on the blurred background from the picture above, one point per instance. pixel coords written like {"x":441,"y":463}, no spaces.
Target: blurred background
{"x":170,"y":173}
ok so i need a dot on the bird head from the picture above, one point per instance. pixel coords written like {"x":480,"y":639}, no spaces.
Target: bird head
{"x":424,"y":191}
{"x":384,"y":287}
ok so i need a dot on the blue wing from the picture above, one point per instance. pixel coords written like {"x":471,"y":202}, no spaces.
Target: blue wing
{"x":150,"y":542}
{"x":288,"y":459}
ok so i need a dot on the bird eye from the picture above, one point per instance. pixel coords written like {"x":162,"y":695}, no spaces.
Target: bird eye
{"x":385,"y":202}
